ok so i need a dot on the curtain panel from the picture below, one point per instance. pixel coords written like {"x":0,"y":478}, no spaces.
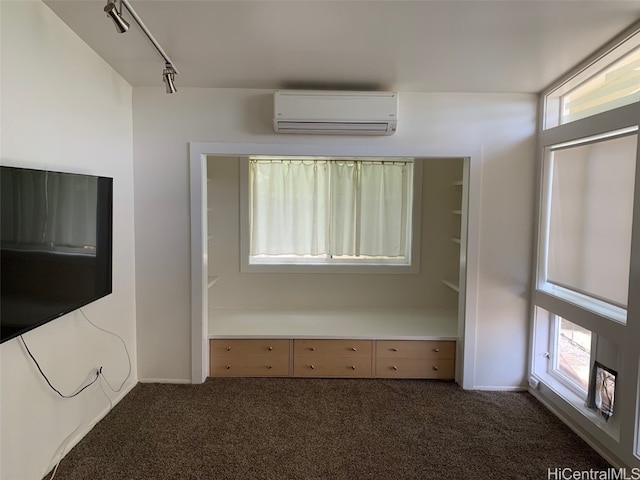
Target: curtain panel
{"x":329,"y":208}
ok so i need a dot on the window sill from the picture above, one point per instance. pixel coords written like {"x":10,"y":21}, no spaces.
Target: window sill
{"x":332,"y":268}
{"x":612,"y":312}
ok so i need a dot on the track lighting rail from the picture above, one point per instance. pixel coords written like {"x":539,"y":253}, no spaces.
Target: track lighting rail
{"x":170,"y":70}
{"x":145,"y":30}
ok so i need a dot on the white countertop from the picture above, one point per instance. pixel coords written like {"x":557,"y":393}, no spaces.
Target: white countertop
{"x":390,"y":324}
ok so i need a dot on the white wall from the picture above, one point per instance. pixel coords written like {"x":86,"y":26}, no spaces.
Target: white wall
{"x":64,"y":108}
{"x":502,"y":126}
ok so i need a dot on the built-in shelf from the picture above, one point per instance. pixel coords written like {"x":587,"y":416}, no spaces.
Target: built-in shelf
{"x":212,"y":281}
{"x":453,"y":285}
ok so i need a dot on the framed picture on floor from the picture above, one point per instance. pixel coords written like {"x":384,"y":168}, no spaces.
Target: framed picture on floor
{"x":602,"y":390}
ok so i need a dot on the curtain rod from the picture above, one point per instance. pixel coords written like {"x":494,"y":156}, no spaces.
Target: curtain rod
{"x":146,"y":31}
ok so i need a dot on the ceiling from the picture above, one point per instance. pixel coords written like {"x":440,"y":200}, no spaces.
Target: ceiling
{"x":420,"y":46}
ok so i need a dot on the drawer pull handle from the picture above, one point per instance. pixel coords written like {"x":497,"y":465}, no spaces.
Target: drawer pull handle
{"x":435,"y":369}
{"x":269,"y":367}
{"x":394,"y":367}
{"x":270,"y":348}
{"x":394,"y":349}
{"x":353,"y":367}
{"x":436,"y":350}
{"x":228,"y":367}
{"x":228,"y":349}
{"x":312,"y":348}
{"x":354,"y":349}
{"x":312,"y":367}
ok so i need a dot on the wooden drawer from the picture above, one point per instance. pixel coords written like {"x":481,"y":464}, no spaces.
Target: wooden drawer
{"x":249,"y":358}
{"x":341,"y":348}
{"x":332,"y":366}
{"x":253,"y":366}
{"x":248,"y":348}
{"x":415,"y":368}
{"x":415,"y":349}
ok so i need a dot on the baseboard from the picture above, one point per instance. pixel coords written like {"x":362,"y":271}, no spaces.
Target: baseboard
{"x":495,"y":388}
{"x":80,"y":433}
{"x":164,"y":380}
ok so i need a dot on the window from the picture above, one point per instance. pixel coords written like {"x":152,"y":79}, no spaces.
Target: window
{"x":330,"y":211}
{"x":610,"y":82}
{"x":590,"y":189}
{"x":571,"y":357}
{"x":587,"y":246}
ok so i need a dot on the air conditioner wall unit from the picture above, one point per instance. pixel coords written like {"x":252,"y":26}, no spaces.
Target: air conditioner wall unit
{"x":335,"y":113}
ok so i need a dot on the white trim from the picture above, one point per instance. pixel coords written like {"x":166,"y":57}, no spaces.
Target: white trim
{"x":629,"y":392}
{"x":176,"y":381}
{"x":498,"y":388}
{"x":199,"y":267}
{"x":596,"y":323}
{"x":198,"y":151}
{"x":601,"y":123}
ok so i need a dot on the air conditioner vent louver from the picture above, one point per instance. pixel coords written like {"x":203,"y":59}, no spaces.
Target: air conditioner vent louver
{"x":336,"y":113}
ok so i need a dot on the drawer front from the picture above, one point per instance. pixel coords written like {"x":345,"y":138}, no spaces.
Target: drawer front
{"x":253,"y":366}
{"x":415,"y":349}
{"x":342,"y":348}
{"x":415,"y":368}
{"x":315,"y":366}
{"x":248,"y":348}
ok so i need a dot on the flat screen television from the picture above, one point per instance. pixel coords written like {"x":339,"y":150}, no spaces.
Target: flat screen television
{"x":56,"y":245}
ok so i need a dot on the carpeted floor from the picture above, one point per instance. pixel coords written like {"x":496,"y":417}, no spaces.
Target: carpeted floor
{"x":325,"y":429}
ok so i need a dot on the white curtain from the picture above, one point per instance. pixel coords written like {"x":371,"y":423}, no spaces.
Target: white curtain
{"x":383,"y":209}
{"x":329,"y":207}
{"x":288,"y":207}
{"x":344,"y":200}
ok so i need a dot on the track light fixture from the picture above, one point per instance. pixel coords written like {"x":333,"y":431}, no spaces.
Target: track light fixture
{"x":168,"y":75}
{"x":112,"y":11}
{"x":170,"y":71}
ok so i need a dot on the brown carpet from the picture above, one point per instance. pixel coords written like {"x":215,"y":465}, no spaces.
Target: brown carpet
{"x":325,"y":429}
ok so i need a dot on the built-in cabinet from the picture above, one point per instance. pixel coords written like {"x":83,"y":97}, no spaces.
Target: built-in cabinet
{"x":329,"y":358}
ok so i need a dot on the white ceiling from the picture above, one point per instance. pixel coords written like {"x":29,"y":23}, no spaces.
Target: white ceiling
{"x":421,"y":46}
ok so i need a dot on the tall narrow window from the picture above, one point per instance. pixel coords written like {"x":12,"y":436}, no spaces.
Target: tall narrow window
{"x":320,"y":211}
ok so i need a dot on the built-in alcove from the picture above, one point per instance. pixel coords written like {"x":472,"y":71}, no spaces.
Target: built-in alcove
{"x":429,"y":304}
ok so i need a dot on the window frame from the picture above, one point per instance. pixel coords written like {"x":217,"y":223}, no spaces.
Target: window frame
{"x":553,"y":97}
{"x":584,"y":300}
{"x":367,"y":266}
{"x":620,"y":437}
{"x":554,"y":351}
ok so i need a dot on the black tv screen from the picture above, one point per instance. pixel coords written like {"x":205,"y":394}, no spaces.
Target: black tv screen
{"x":56,"y":245}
